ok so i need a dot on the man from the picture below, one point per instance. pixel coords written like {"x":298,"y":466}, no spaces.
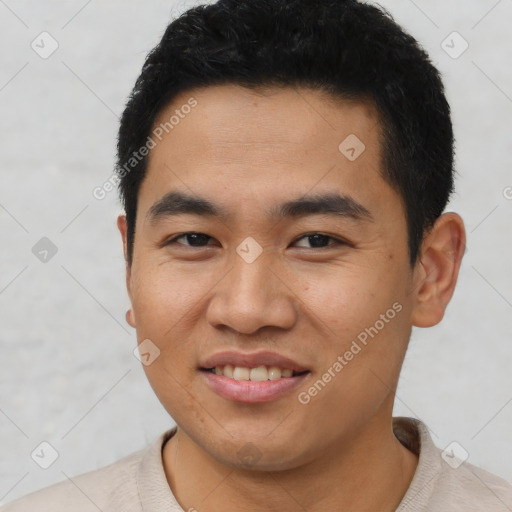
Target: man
{"x":284,"y":167}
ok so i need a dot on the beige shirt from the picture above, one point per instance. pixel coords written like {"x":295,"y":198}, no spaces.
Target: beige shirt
{"x":137,"y":483}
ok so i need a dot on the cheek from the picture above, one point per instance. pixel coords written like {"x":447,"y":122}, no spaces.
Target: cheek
{"x":345,"y":302}
{"x":166,"y":309}
{"x":164,"y":297}
{"x":362,"y":331}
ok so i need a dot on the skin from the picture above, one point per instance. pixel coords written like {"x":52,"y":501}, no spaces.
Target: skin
{"x":247,"y":151}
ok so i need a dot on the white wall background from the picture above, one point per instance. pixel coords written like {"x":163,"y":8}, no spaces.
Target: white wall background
{"x":67,"y":372}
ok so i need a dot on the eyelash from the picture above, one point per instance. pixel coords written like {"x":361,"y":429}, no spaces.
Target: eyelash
{"x":337,"y":241}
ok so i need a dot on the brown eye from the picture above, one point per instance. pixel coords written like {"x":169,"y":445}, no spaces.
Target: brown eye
{"x":318,"y":240}
{"x":192,"y":239}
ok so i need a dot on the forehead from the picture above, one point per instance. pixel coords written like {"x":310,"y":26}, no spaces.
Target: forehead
{"x":268,"y":116}
{"x":238,"y":144}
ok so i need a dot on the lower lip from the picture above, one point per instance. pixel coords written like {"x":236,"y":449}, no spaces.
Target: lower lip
{"x":252,"y":391}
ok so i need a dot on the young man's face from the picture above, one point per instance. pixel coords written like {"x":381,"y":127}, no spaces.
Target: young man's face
{"x":306,"y":299}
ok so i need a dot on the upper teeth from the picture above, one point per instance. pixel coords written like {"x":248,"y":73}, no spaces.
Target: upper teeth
{"x":257,"y":374}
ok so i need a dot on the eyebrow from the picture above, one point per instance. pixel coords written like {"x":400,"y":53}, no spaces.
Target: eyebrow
{"x":179,"y":203}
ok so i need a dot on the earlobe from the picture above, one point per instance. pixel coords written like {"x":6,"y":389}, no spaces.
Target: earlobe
{"x":130,"y":318}
{"x":437,"y":269}
{"x":123,"y":228}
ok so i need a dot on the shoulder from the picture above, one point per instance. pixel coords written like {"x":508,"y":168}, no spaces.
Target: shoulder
{"x":444,"y":482}
{"x":471,"y":488}
{"x":111,"y":487}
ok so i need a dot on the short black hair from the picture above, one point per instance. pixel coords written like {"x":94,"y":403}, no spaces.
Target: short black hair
{"x":344,"y":47}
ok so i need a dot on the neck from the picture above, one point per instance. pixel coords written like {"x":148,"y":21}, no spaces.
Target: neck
{"x":369,"y":471}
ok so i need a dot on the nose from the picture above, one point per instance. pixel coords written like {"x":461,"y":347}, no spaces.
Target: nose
{"x":253,"y":295}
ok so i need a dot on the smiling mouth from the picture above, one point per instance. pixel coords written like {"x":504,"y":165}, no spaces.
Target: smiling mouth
{"x":257,"y":374}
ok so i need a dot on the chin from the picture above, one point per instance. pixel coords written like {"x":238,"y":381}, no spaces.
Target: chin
{"x":259,"y":453}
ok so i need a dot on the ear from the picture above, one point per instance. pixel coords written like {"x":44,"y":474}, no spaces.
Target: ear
{"x":123,"y":229}
{"x":437,"y":269}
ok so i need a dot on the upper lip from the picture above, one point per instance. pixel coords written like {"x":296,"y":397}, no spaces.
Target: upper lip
{"x":251,"y":360}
